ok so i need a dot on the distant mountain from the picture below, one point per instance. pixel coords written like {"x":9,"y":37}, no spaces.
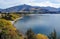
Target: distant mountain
{"x":16,"y":8}
{"x":52,"y":9}
{"x":28,"y":8}
{"x":1,"y":9}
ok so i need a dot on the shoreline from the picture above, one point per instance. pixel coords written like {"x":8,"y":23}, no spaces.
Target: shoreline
{"x":15,"y":20}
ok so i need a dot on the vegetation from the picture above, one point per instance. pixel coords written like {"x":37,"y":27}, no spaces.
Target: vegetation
{"x":53,"y":35}
{"x":8,"y":31}
{"x":30,"y":34}
{"x":10,"y":16}
{"x":41,"y":36}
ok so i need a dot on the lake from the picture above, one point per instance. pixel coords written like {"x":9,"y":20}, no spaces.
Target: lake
{"x":39,"y":23}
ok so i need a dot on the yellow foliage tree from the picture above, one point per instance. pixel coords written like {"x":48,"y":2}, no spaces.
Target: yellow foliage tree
{"x":7,"y":30}
{"x":41,"y":36}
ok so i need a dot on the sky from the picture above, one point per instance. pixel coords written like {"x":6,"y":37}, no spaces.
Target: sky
{"x":10,"y":3}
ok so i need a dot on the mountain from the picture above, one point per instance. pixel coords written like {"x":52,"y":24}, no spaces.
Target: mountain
{"x":21,"y":8}
{"x":1,"y":9}
{"x":16,"y":8}
{"x":51,"y":8}
{"x":28,"y":8}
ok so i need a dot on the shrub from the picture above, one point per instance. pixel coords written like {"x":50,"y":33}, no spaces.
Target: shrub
{"x":41,"y":36}
{"x":7,"y":30}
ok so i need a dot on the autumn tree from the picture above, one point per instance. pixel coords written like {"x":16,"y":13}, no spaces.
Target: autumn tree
{"x":41,"y":36}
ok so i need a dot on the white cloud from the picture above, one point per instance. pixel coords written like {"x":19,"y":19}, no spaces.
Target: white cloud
{"x":57,"y":0}
{"x":10,"y":3}
{"x":45,"y":4}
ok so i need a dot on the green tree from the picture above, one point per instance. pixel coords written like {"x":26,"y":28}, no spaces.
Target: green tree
{"x":30,"y":34}
{"x":53,"y":35}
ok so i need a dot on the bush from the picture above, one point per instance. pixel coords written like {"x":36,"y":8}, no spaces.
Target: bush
{"x":41,"y":36}
{"x":7,"y":30}
{"x":9,"y":16}
{"x":14,"y":16}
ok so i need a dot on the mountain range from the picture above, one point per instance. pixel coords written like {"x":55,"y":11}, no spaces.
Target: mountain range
{"x":28,"y":8}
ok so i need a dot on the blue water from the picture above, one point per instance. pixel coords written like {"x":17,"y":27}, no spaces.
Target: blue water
{"x":39,"y":23}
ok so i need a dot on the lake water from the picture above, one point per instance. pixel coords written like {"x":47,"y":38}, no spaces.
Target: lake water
{"x":39,"y":23}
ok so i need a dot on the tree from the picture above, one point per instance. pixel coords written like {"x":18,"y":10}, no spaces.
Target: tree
{"x":30,"y":34}
{"x":10,"y":16}
{"x":41,"y":36}
{"x":53,"y":35}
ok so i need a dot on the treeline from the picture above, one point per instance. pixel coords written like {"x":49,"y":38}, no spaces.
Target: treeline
{"x":31,"y":35}
{"x":10,"y":16}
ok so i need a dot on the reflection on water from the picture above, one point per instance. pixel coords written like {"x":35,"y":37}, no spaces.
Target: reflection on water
{"x":39,"y":23}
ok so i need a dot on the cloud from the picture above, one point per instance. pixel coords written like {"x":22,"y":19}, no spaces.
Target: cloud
{"x":10,"y":3}
{"x":54,"y":1}
{"x":57,"y":0}
{"x":45,"y":4}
